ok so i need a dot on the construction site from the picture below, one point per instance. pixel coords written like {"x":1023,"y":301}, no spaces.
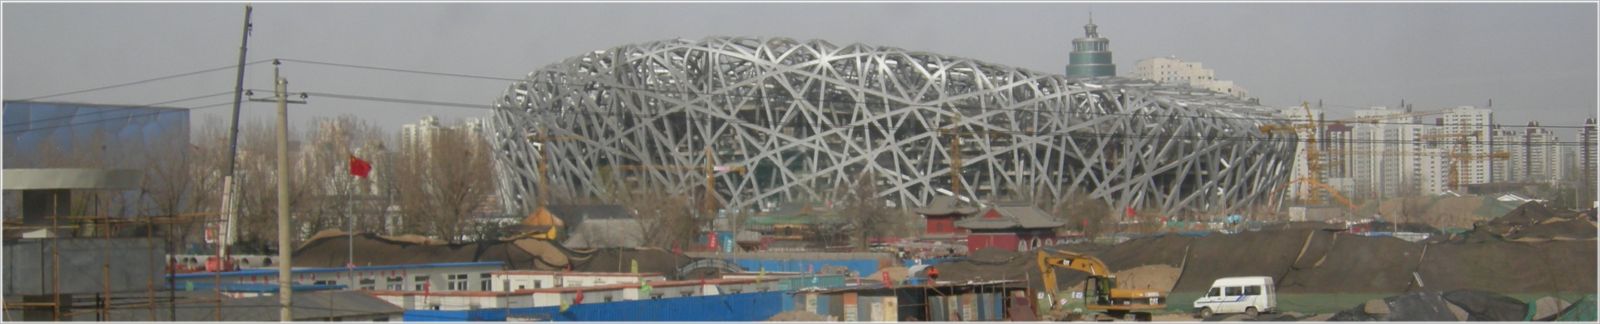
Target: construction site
{"x":775,"y":179}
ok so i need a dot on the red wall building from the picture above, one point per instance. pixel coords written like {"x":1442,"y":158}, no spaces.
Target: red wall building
{"x":1011,"y":227}
{"x":940,"y":217}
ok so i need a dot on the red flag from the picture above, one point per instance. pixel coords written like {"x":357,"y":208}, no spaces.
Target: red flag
{"x":1130,"y":212}
{"x":578,"y":299}
{"x":359,"y":167}
{"x":886,"y":281}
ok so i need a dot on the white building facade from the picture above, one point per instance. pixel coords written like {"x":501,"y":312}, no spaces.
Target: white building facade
{"x":1173,"y":70}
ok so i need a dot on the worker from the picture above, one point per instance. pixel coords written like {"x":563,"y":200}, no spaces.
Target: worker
{"x":933,"y":273}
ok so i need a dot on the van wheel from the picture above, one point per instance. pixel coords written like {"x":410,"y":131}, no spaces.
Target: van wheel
{"x":1251,"y":312}
{"x":1205,"y":312}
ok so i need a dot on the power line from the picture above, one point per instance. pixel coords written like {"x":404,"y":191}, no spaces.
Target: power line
{"x":369,"y":67}
{"x":113,"y":109}
{"x":759,"y":96}
{"x":119,"y":85}
{"x":15,"y":131}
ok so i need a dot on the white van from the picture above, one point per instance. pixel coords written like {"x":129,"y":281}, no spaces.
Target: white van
{"x":1249,"y":295}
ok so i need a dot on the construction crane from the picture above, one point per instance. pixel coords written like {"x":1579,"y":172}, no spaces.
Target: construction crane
{"x":1461,"y":154}
{"x":710,"y":169}
{"x":543,"y":139}
{"x":1101,"y":293}
{"x":955,"y":133}
{"x":1313,"y":177}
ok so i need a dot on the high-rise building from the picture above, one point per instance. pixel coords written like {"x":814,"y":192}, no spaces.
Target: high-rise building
{"x":419,"y":135}
{"x":1091,"y":55}
{"x":1532,"y":155}
{"x":1586,"y":155}
{"x":1471,"y":125}
{"x":1173,"y":70}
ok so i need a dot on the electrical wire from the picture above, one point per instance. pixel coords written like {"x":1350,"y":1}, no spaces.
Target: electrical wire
{"x":119,"y":85}
{"x":115,"y":108}
{"x":15,"y":131}
{"x":369,"y":67}
{"x":759,"y":96}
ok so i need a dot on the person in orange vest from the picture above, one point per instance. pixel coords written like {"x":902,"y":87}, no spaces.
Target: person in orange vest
{"x":933,"y":273}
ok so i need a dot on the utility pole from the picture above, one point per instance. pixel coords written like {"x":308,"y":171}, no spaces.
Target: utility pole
{"x":281,"y":96}
{"x":284,"y":289}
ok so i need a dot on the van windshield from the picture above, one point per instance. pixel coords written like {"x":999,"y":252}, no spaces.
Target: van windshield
{"x":1215,"y":291}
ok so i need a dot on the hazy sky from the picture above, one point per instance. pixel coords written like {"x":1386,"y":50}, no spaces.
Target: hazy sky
{"x":1536,"y":61}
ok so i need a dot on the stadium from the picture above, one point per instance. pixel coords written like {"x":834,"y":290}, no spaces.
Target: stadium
{"x":784,"y":120}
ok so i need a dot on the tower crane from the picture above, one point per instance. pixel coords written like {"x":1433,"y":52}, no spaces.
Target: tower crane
{"x":955,"y":132}
{"x":1462,"y":154}
{"x":710,"y":169}
{"x":1313,"y":177}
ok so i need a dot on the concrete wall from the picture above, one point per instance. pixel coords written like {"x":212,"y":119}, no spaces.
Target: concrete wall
{"x":135,"y":263}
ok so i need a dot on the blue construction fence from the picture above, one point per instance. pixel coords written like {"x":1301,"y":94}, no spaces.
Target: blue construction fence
{"x":719,"y":308}
{"x":862,"y":267}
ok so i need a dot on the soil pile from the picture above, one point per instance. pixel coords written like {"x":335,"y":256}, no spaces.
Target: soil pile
{"x":1357,"y":264}
{"x":621,"y":259}
{"x":1263,"y":253}
{"x":333,"y":251}
{"x":1500,"y":266}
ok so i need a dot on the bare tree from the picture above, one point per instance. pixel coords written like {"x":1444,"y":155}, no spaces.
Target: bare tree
{"x":256,"y":175}
{"x":864,"y":211}
{"x":1079,"y":210}
{"x":439,"y":187}
{"x":665,"y":218}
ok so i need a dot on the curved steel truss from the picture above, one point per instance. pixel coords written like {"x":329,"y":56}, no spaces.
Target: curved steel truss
{"x":805,"y":118}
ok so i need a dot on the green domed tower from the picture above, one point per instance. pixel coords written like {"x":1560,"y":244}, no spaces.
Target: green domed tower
{"x":1091,"y":55}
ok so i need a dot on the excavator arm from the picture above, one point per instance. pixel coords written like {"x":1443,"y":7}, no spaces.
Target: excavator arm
{"x":1107,"y":296}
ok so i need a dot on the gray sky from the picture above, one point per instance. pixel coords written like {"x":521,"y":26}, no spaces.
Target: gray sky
{"x":1537,"y":61}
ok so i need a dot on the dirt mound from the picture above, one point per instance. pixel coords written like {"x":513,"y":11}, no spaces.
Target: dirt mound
{"x":1507,"y":267}
{"x":1356,"y":264}
{"x":1527,"y":214}
{"x":1576,"y":229}
{"x":1160,"y":277}
{"x":621,"y":259}
{"x":1263,"y":253}
{"x":333,"y":251}
{"x":991,"y":255}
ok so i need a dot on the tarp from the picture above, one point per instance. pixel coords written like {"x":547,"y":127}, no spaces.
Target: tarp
{"x":1487,"y":306}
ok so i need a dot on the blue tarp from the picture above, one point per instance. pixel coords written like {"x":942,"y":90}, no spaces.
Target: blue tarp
{"x":736,"y":307}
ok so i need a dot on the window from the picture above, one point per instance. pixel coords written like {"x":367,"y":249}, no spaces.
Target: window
{"x":420,"y":282}
{"x":608,"y":299}
{"x":1252,"y":290}
{"x":1215,"y":291}
{"x":537,"y":284}
{"x":484,"y":284}
{"x":655,"y":296}
{"x":395,"y":283}
{"x":324,"y":282}
{"x":456,"y":281}
{"x":1231,"y":291}
{"x":368,"y":283}
{"x":685,"y":293}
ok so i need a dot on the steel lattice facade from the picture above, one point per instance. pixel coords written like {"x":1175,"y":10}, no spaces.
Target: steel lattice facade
{"x":806,"y":118}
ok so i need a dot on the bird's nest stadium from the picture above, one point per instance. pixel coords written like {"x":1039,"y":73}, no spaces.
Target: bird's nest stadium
{"x":800,"y":120}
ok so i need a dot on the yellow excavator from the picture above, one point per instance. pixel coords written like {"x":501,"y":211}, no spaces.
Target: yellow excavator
{"x":1100,"y":293}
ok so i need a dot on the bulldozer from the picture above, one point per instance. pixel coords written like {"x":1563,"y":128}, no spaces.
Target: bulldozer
{"x":1100,"y":294}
